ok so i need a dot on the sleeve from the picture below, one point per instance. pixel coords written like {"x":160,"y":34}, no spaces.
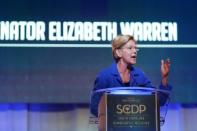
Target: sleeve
{"x":164,"y":97}
{"x":100,"y":83}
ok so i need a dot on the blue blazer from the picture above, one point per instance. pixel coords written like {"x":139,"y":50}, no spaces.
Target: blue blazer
{"x":110,"y":77}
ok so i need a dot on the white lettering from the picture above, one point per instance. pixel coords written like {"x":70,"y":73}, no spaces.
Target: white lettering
{"x":87,"y":31}
{"x":21,"y":30}
{"x":150,"y":31}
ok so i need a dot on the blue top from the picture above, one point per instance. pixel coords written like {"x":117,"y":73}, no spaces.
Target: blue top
{"x":110,"y":77}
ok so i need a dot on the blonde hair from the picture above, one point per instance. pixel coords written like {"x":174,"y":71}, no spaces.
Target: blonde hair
{"x":118,"y":42}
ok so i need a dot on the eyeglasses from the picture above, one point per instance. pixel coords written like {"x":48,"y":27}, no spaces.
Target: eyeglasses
{"x":130,"y":48}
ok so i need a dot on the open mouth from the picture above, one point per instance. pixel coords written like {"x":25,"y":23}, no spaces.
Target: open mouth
{"x":133,"y":56}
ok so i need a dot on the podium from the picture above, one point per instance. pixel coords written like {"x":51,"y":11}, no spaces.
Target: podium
{"x":130,"y":109}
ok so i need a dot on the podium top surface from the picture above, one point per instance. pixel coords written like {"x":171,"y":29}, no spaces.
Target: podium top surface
{"x":132,"y":90}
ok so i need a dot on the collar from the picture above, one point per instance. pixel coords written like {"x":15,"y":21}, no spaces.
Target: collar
{"x":115,"y":69}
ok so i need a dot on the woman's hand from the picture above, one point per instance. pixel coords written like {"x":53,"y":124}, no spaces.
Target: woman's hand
{"x":165,"y":69}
